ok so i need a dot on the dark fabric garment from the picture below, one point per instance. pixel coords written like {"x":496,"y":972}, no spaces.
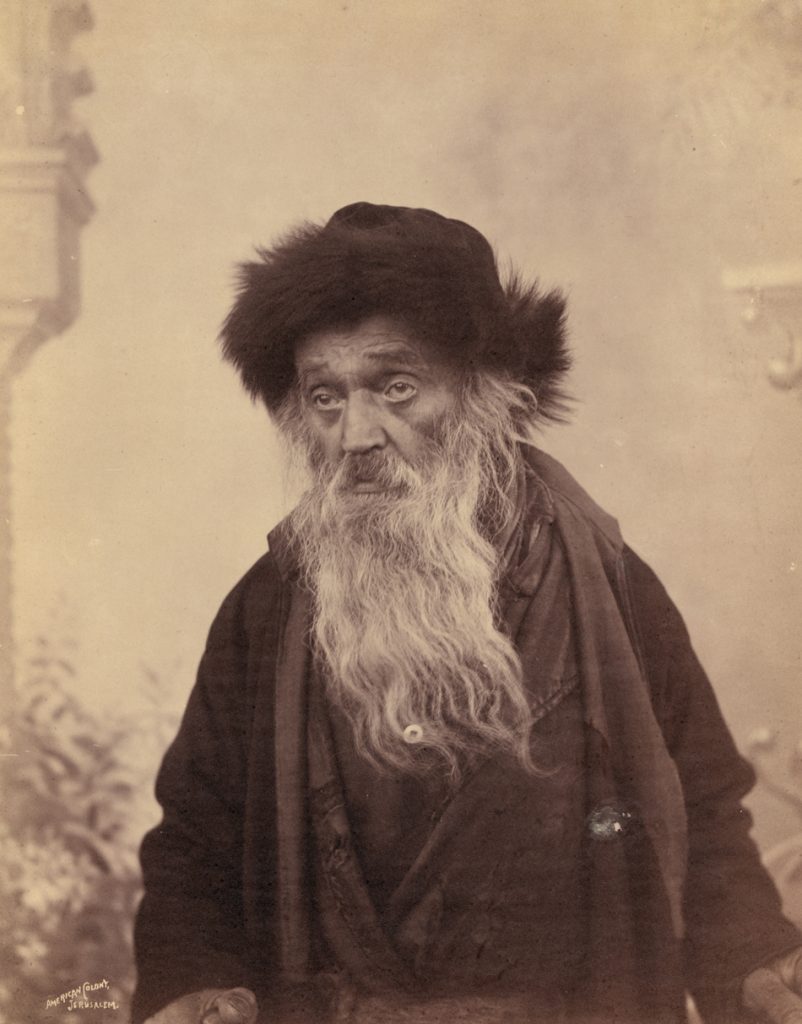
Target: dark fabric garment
{"x":223,"y":871}
{"x":391,"y":815}
{"x":483,"y":910}
{"x":474,"y":889}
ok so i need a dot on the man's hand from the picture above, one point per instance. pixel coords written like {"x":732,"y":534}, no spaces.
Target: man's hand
{"x":210,"y":1006}
{"x":773,"y":992}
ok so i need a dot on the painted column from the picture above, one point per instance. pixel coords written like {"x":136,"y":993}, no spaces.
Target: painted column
{"x":45,"y":155}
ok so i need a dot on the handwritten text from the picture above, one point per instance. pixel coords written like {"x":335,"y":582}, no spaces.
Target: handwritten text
{"x":85,"y":997}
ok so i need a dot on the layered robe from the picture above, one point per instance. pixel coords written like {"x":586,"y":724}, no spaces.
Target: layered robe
{"x":601,"y":889}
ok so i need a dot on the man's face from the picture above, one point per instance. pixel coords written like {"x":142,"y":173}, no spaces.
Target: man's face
{"x":372,"y":390}
{"x":404,"y":450}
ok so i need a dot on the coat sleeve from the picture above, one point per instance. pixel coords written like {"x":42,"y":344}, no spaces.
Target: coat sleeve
{"x":734,"y":921}
{"x":189,"y":932}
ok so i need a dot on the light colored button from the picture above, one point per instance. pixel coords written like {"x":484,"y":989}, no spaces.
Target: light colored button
{"x":413,"y":733}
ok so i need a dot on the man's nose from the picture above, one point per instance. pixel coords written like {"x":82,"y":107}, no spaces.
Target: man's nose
{"x":361,"y":426}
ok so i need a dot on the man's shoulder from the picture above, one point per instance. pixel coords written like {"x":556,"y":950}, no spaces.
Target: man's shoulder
{"x":571,"y":499}
{"x":253,"y":599}
{"x":263,"y":575}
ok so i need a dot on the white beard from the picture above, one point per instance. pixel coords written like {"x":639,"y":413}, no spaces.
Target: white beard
{"x":405,"y":596}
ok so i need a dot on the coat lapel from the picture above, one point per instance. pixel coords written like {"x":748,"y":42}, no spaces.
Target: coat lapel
{"x":291,"y":790}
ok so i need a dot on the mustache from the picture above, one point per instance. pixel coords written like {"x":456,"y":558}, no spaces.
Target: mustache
{"x":386,"y":469}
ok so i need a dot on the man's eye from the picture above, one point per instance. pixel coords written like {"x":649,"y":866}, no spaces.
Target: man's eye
{"x":324,"y":400}
{"x":399,"y":391}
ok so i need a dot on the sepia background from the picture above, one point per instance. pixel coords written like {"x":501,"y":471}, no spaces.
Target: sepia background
{"x":644,"y":156}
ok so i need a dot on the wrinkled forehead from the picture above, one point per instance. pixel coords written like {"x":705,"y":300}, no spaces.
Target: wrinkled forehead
{"x":376,"y":340}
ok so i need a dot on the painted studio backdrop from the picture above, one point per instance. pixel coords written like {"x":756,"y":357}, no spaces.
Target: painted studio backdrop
{"x":644,"y":156}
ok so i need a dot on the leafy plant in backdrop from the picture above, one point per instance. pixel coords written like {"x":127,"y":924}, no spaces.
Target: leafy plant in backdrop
{"x":79,"y":784}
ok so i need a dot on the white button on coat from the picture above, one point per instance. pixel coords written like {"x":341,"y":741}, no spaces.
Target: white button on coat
{"x":413,"y":733}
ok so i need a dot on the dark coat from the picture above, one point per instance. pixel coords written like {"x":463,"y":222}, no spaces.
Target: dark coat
{"x":226,"y":871}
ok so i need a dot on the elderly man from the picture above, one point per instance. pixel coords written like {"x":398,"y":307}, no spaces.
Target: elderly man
{"x":450,"y":755}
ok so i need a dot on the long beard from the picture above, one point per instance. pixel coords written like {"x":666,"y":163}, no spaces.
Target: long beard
{"x":405,"y":586}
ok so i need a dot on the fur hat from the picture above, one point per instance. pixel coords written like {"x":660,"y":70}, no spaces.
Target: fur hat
{"x":437,"y":275}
